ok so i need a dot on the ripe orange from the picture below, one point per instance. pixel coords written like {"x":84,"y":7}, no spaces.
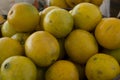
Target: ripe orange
{"x":7,"y":30}
{"x":107,"y":33}
{"x":102,"y":67}
{"x":23,"y":17}
{"x":9,"y":47}
{"x":43,"y":14}
{"x":58,"y":3}
{"x":18,"y":68}
{"x":42,"y":47}
{"x":58,"y":22}
{"x":86,"y":16}
{"x":80,"y":45}
{"x":62,"y":70}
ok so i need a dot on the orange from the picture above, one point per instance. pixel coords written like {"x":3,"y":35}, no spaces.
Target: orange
{"x":42,"y":47}
{"x":80,"y":45}
{"x":7,"y":30}
{"x":58,"y":3}
{"x":86,"y":16}
{"x":102,"y":67}
{"x":43,"y":14}
{"x":23,"y":17}
{"x":18,"y":68}
{"x":107,"y":33}
{"x":9,"y":47}
{"x":62,"y":70}
{"x":58,"y":22}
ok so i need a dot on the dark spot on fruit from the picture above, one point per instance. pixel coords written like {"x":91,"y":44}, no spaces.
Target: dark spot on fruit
{"x":87,"y":16}
{"x":50,"y":21}
{"x":110,"y":27}
{"x":113,"y":68}
{"x":95,"y":59}
{"x":99,"y":72}
{"x":6,"y":66}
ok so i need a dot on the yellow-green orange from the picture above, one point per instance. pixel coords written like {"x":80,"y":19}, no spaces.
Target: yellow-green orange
{"x":9,"y":47}
{"x":80,"y":45}
{"x":43,"y":14}
{"x":24,"y":17}
{"x":86,"y":16}
{"x":107,"y":33}
{"x":58,"y":22}
{"x":58,"y":3}
{"x":7,"y":30}
{"x":42,"y":47}
{"x":102,"y":67}
{"x":18,"y":68}
{"x":62,"y":70}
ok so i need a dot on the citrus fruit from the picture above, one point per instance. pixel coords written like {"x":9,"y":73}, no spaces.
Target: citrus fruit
{"x":80,"y":45}
{"x":7,"y":30}
{"x":107,"y":33}
{"x":9,"y":47}
{"x":43,"y":14}
{"x":42,"y":47}
{"x":58,"y":22}
{"x":86,"y":16}
{"x":102,"y":67}
{"x":23,"y":17}
{"x":18,"y":68}
{"x":62,"y":70}
{"x":58,"y":3}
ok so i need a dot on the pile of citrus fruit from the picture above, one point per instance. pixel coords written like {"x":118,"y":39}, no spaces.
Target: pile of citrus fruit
{"x":59,"y":44}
